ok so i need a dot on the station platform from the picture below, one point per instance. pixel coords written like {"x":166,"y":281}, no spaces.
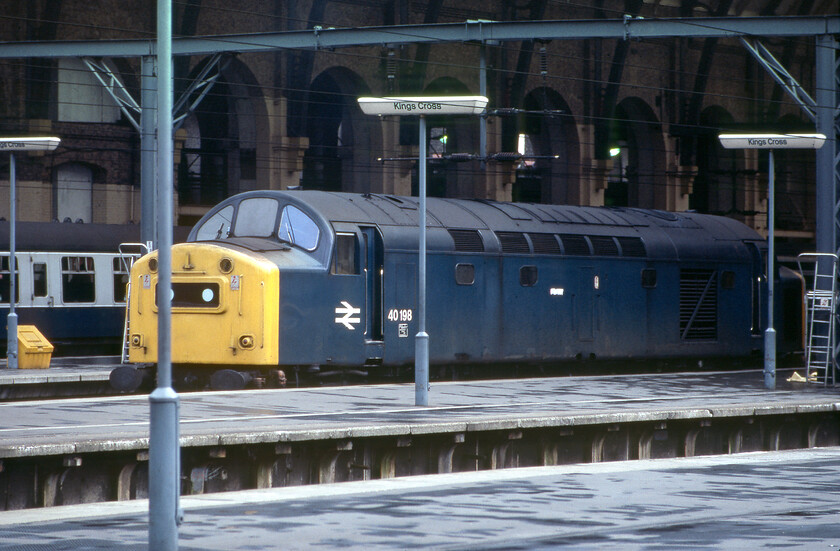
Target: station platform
{"x":66,"y":376}
{"x":760,"y":500}
{"x":84,"y":450}
{"x":220,"y":418}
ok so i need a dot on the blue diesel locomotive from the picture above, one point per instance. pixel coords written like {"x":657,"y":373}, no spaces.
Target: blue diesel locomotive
{"x":279,"y":279}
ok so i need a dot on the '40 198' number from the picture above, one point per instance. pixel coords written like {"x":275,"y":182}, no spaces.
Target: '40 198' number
{"x":400,"y":315}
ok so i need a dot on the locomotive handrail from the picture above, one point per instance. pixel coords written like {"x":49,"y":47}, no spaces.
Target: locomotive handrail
{"x":142,"y":249}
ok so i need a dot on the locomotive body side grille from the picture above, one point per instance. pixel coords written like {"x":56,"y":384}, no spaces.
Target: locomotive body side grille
{"x":467,"y":241}
{"x":603,"y":245}
{"x":632,"y":246}
{"x":513,"y":242}
{"x":575,"y":245}
{"x":545,"y":243}
{"x":698,"y":305}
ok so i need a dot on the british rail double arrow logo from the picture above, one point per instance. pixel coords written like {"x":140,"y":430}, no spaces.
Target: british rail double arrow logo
{"x":348,"y":312}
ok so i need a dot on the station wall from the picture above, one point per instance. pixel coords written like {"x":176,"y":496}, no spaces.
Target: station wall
{"x":602,"y":122}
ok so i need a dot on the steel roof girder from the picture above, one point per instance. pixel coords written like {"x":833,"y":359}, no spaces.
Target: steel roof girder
{"x":468,"y":31}
{"x":782,"y":77}
{"x":116,"y":89}
{"x":202,"y":84}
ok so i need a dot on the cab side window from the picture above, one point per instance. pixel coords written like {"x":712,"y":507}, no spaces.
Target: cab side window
{"x":346,"y":260}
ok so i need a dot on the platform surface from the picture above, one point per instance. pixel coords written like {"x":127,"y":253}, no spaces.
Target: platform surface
{"x":766,"y":500}
{"x":61,"y":370}
{"x":79,"y":425}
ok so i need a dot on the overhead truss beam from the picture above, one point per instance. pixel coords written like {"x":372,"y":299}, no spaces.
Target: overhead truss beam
{"x":469,"y":31}
{"x":115,"y":88}
{"x":781,"y":75}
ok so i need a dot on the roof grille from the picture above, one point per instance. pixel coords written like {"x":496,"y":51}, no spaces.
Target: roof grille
{"x":545,"y":243}
{"x":632,"y":246}
{"x":513,"y":242}
{"x":575,"y":245}
{"x":698,"y":305}
{"x":467,"y":241}
{"x":603,"y":245}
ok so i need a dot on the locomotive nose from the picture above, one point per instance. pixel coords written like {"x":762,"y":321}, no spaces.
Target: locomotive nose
{"x":224,"y":307}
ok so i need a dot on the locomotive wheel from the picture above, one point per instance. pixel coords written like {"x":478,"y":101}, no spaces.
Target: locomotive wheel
{"x":126,"y":378}
{"x":229,"y":379}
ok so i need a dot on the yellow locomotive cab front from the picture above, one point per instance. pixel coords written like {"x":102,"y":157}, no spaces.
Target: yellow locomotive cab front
{"x":224,"y":307}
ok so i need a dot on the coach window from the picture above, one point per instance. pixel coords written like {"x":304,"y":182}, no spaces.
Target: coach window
{"x":5,"y":282}
{"x":298,"y":229}
{"x":217,"y":227}
{"x":77,"y":279}
{"x":346,"y":254}
{"x":464,"y":274}
{"x":39,"y":279}
{"x":120,"y":280}
{"x":255,"y":217}
{"x":528,"y":276}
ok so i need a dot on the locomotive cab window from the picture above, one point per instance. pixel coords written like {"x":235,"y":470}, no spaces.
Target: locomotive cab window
{"x":5,"y":281}
{"x":77,"y":279}
{"x":346,"y":254}
{"x":298,"y":229}
{"x":528,"y":276}
{"x":727,"y":279}
{"x":255,"y":217}
{"x":217,"y":227}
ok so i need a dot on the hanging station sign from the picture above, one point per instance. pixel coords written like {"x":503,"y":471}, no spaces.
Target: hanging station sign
{"x":434,"y":105}
{"x":772,"y":141}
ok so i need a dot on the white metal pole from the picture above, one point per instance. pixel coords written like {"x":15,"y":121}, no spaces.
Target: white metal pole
{"x":164,"y":454}
{"x":421,"y":349}
{"x":770,"y":333}
{"x":12,"y":325}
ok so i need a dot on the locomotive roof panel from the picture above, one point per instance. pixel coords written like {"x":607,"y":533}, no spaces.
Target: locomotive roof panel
{"x":471,"y":224}
{"x":390,"y":210}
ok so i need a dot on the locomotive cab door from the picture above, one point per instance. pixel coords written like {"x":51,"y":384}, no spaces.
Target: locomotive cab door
{"x":373,"y":267}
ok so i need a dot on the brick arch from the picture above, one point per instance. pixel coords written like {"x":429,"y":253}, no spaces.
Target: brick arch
{"x":549,"y":124}
{"x":716,"y":187}
{"x":343,"y":142}
{"x":226,"y":138}
{"x":637,"y":128}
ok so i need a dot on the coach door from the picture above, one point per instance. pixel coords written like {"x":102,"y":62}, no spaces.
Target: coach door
{"x":40,"y":292}
{"x":372,"y":254}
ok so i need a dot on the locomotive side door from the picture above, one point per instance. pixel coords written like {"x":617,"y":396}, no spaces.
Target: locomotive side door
{"x":585,"y":304}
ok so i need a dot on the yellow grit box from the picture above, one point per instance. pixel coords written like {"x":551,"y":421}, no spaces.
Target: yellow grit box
{"x":34,"y":351}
